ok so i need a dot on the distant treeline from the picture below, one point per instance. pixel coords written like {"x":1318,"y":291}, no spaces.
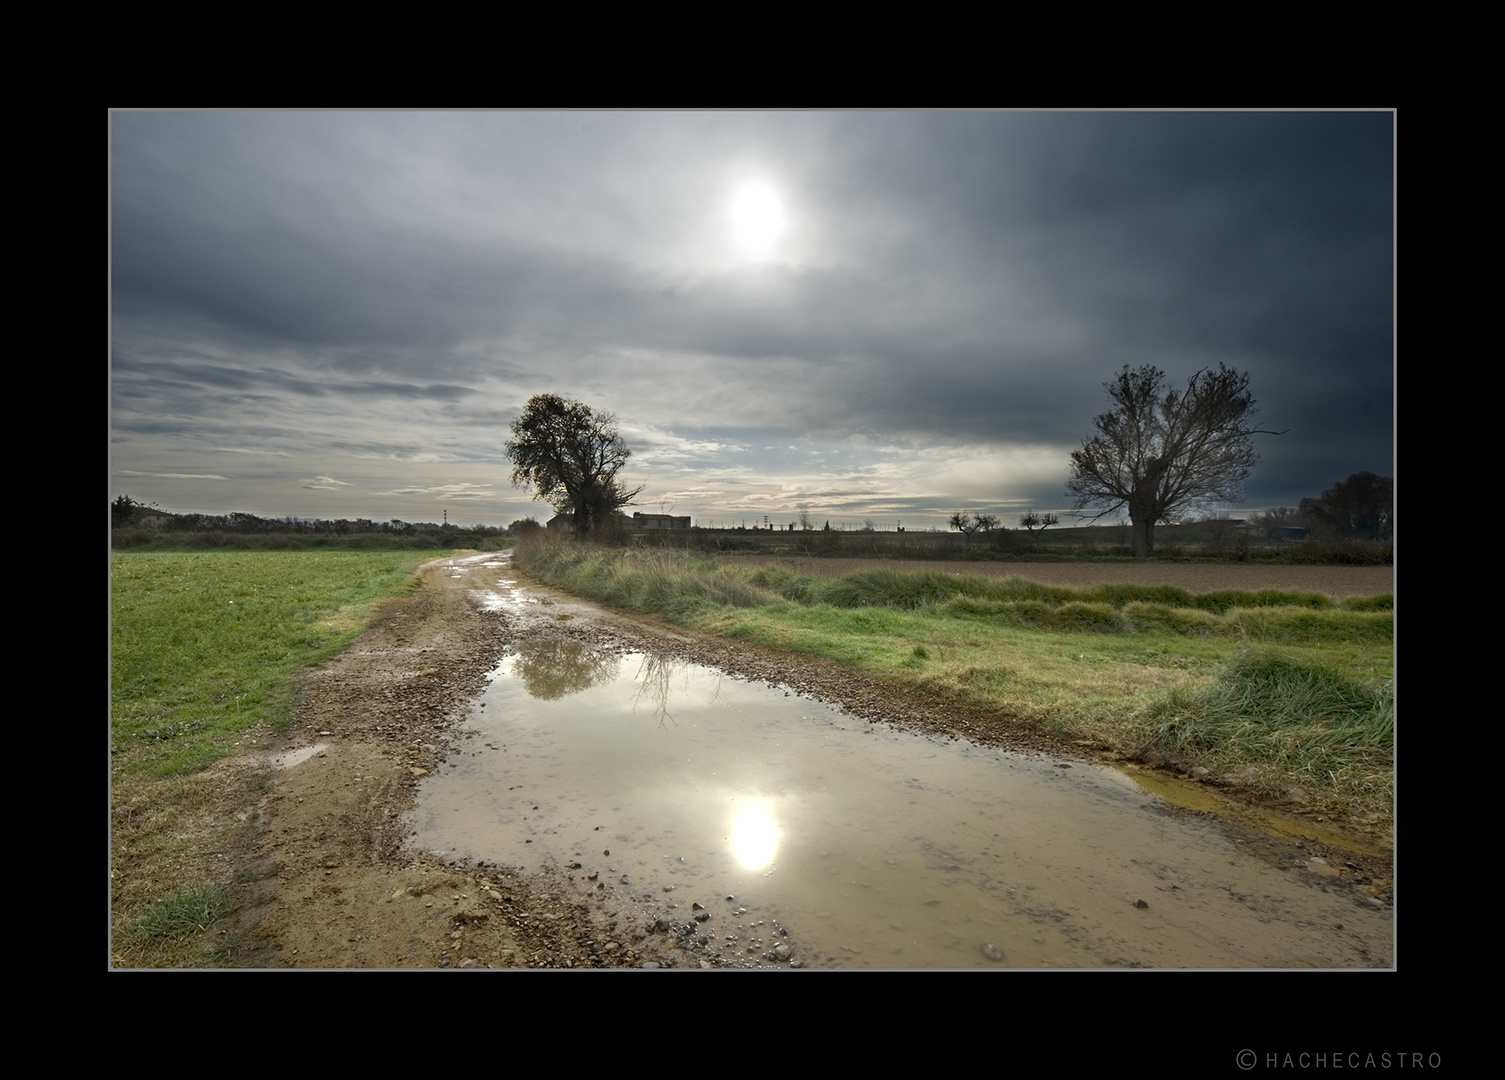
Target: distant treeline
{"x":136,"y":525}
{"x":1266,"y":538}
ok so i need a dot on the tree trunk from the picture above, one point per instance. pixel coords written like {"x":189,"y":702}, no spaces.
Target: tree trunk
{"x":1142,"y":527}
{"x":1142,"y":508}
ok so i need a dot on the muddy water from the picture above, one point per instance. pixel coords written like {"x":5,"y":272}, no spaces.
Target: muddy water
{"x":783,"y":822}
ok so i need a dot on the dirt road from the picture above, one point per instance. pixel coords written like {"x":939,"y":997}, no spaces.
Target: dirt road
{"x":383,"y":715}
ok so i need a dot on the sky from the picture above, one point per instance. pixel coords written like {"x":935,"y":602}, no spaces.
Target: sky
{"x":871,"y":316}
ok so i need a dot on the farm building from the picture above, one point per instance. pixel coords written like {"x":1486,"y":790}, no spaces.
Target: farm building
{"x":638,"y":522}
{"x":659,"y":521}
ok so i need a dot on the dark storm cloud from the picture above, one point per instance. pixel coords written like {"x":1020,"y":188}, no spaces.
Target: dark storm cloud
{"x":959,"y":280}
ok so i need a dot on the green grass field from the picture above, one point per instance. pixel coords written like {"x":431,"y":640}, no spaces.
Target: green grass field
{"x":207,"y":654}
{"x":1285,"y":692}
{"x":206,"y":645}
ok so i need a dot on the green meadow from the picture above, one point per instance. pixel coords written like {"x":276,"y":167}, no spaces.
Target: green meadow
{"x":1282,"y":692}
{"x":207,"y":654}
{"x":206,"y":645}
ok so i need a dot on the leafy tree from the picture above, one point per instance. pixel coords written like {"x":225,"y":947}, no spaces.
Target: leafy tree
{"x":1158,"y":453}
{"x":122,"y":510}
{"x":1359,"y":508}
{"x":570,"y":454}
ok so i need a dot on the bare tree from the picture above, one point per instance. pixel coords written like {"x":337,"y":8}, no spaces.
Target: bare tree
{"x":1273,"y":523}
{"x":1159,"y":453}
{"x":962,"y":521}
{"x":1031,"y":521}
{"x":973,"y":523}
{"x":1219,"y":526}
{"x":570,"y":455}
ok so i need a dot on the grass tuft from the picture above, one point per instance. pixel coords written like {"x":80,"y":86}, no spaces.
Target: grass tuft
{"x":188,"y":911}
{"x":1289,"y":728}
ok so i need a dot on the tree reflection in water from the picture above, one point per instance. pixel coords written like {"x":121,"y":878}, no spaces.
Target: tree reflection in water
{"x":653,"y":678}
{"x":553,"y":668}
{"x":556,"y":667}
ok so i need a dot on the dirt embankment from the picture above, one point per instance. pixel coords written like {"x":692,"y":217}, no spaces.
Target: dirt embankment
{"x":347,"y":895}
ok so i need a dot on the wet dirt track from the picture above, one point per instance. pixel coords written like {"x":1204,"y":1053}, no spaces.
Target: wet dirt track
{"x":350,"y":895}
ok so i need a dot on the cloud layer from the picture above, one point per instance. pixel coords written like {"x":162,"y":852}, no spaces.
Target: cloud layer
{"x":338,"y":314}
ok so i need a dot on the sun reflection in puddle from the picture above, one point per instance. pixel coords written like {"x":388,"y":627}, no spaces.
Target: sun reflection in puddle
{"x":755,"y":835}
{"x":679,"y":784}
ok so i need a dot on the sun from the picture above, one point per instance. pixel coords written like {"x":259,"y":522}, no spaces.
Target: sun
{"x":757,"y":219}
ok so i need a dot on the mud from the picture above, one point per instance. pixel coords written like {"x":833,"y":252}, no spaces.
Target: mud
{"x":348,"y":894}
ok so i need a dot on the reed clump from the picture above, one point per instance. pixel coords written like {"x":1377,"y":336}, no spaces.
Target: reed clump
{"x":1288,"y":728}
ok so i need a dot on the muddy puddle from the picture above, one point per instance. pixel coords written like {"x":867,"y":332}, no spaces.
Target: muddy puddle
{"x":769,"y":828}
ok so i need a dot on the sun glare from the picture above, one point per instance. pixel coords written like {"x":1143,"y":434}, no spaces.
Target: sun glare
{"x":755,"y":836}
{"x":757,"y":219}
